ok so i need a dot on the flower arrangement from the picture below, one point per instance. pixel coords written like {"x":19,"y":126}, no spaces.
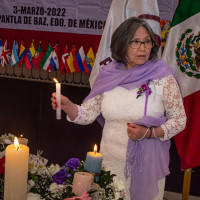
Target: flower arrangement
{"x":55,"y":183}
{"x":144,"y":88}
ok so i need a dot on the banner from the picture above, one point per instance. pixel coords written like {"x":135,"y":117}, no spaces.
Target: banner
{"x":82,"y":17}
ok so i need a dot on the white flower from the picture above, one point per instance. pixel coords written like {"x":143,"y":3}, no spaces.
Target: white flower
{"x":54,"y":188}
{"x":117,"y":196}
{"x":7,"y":141}
{"x":53,"y":169}
{"x":118,"y":184}
{"x":32,"y":196}
{"x":37,"y":164}
{"x":31,"y":183}
{"x":11,"y":136}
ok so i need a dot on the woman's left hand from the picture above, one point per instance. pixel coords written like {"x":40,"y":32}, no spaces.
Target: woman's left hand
{"x":136,"y":132}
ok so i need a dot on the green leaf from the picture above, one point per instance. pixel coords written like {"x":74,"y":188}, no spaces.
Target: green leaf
{"x":177,"y":54}
{"x":182,"y":68}
{"x":182,"y":36}
{"x":179,"y":45}
{"x":193,"y":67}
{"x":190,"y":74}
{"x":197,"y":76}
{"x":189,"y":30}
{"x":189,"y":53}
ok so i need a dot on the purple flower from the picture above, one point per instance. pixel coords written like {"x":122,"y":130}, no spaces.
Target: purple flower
{"x":73,"y":163}
{"x":139,"y":92}
{"x":148,"y":92}
{"x":59,"y":177}
{"x":144,"y":87}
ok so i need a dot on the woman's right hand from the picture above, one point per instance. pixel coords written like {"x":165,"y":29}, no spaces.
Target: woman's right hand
{"x":66,"y":105}
{"x":63,"y":101}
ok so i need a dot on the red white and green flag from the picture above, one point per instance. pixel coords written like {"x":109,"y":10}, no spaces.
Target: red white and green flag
{"x":45,"y":63}
{"x":37,"y":58}
{"x":182,"y":53}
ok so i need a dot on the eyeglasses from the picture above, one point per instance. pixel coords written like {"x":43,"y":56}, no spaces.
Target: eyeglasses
{"x":136,"y":44}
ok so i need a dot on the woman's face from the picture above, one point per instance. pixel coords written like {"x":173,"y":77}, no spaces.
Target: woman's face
{"x":140,"y":55}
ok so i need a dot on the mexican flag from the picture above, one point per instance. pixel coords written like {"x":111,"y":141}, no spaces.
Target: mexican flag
{"x":182,"y":53}
{"x":45,"y":62}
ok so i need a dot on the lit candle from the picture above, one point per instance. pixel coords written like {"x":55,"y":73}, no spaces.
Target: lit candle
{"x":22,"y":140}
{"x":93,"y":161}
{"x":82,"y":182}
{"x":16,"y":171}
{"x":58,"y":89}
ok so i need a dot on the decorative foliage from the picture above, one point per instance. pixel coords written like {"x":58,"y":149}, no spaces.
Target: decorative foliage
{"x":188,"y":53}
{"x":55,"y":183}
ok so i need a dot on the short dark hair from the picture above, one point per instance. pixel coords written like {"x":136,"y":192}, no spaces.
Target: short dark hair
{"x":124,"y":34}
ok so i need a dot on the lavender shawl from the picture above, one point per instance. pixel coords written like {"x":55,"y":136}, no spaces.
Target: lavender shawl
{"x":147,"y":160}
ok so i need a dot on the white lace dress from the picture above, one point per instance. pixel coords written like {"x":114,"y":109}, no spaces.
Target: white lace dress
{"x":119,"y":106}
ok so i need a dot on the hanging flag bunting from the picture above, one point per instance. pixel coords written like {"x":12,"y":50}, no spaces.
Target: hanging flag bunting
{"x":46,"y":59}
{"x":120,"y":10}
{"x":89,"y":61}
{"x":37,"y":58}
{"x":182,"y":53}
{"x":63,"y":64}
{"x":29,"y":56}
{"x":14,"y":55}
{"x":6,"y":55}
{"x":80,"y":56}
{"x":22,"y":53}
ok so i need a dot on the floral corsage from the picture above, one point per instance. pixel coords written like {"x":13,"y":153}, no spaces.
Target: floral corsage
{"x":144,"y":88}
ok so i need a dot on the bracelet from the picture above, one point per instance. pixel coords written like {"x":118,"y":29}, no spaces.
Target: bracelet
{"x":144,"y":134}
{"x":150,"y":133}
{"x":154,"y":133}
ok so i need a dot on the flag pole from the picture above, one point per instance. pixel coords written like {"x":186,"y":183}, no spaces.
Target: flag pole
{"x":14,"y":71}
{"x":64,"y":81}
{"x":5,"y":74}
{"x":22,"y":75}
{"x":186,"y":184}
{"x":39,"y":76}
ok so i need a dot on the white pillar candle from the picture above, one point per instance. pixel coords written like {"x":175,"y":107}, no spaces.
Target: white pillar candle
{"x":16,"y":172}
{"x":58,"y":91}
{"x":82,"y":182}
{"x":22,"y":140}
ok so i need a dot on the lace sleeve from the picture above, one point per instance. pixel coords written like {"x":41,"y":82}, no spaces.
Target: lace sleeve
{"x":174,"y":108}
{"x":88,"y":111}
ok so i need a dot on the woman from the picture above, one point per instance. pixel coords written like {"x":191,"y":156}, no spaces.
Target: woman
{"x":138,"y":101}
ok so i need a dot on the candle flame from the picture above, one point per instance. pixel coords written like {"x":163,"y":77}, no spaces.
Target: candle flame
{"x":95,"y":148}
{"x":16,"y":143}
{"x":55,"y":80}
{"x":21,"y":136}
